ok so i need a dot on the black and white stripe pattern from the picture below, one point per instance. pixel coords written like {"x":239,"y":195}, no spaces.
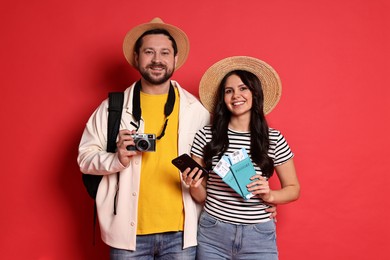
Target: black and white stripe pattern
{"x":222,"y":201}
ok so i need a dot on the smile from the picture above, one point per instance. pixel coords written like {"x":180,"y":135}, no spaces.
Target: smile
{"x":238,"y":103}
{"x":157,"y":66}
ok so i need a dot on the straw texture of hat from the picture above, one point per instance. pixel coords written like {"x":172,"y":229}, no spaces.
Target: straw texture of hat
{"x":270,"y":81}
{"x":182,"y":42}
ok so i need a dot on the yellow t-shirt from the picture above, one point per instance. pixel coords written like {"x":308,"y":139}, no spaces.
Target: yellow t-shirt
{"x":160,"y":206}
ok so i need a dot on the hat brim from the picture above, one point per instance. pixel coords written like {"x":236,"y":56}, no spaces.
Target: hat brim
{"x":182,"y":42}
{"x":270,"y":81}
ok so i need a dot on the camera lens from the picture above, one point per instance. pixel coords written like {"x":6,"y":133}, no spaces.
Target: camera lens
{"x":143,"y":145}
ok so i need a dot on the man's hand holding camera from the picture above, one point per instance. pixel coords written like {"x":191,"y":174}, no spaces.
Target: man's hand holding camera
{"x":125,"y":139}
{"x":130,"y":143}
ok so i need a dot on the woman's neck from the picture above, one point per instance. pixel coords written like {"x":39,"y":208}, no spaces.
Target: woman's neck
{"x":241,"y":124}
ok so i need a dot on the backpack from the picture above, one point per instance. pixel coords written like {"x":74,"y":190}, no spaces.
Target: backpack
{"x":91,"y":182}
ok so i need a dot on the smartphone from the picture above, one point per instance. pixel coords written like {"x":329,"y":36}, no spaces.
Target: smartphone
{"x":185,"y":161}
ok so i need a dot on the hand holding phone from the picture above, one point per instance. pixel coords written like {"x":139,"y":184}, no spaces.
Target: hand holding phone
{"x":184,"y":161}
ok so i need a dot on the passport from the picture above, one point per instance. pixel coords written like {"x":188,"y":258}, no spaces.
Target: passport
{"x":236,"y":169}
{"x":223,"y":170}
{"x":242,"y":172}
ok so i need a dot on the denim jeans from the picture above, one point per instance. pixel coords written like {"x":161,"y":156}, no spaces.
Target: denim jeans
{"x":163,"y":246}
{"x":221,"y":240}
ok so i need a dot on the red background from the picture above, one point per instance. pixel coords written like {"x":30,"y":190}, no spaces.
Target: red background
{"x":60,"y":58}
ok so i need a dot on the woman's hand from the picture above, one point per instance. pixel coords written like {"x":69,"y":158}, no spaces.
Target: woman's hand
{"x":192,"y":178}
{"x":290,"y":187}
{"x":197,"y":184}
{"x":260,"y":187}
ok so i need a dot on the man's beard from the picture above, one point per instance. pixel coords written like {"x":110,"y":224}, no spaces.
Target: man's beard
{"x":147,"y":75}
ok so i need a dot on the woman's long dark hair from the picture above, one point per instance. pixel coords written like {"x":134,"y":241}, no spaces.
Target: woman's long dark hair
{"x":258,"y":125}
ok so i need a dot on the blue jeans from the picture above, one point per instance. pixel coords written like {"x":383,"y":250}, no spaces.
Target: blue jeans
{"x":164,"y":246}
{"x":221,"y":240}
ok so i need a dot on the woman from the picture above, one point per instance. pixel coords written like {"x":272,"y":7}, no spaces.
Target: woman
{"x":239,"y":91}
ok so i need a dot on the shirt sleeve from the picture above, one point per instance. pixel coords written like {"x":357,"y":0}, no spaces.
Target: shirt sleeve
{"x":283,"y":151}
{"x":199,"y":143}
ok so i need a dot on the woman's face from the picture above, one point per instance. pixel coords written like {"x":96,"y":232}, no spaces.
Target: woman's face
{"x":237,"y":97}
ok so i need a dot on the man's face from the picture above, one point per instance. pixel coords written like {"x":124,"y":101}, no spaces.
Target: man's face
{"x":156,"y":61}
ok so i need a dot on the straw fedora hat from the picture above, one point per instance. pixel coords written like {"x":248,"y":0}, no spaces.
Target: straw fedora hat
{"x":182,"y":42}
{"x":270,"y":81}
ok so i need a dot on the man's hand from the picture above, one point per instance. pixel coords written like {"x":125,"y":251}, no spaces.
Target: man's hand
{"x":272,"y":209}
{"x":125,"y":139}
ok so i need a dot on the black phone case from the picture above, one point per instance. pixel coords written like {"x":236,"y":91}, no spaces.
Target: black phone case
{"x":184,"y":161}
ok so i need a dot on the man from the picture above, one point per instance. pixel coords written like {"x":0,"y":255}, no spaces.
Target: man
{"x":156,"y":217}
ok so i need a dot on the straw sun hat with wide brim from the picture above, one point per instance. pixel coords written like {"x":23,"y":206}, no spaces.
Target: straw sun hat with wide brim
{"x":270,"y":81}
{"x":182,"y":42}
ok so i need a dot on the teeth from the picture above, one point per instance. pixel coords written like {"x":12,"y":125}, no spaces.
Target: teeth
{"x":238,"y":103}
{"x":157,"y":67}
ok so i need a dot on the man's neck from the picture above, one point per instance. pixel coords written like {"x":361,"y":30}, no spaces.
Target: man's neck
{"x":155,"y":89}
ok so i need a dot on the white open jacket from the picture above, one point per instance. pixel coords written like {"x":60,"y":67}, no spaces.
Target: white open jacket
{"x":119,"y":230}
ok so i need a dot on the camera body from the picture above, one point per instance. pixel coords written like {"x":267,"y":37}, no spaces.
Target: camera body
{"x":143,"y":143}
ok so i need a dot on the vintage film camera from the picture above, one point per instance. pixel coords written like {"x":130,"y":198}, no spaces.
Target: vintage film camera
{"x":143,"y":143}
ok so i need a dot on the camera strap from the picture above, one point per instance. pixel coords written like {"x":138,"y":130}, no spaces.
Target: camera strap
{"x":168,"y":108}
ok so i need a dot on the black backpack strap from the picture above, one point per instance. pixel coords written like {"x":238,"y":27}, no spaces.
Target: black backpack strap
{"x":115,"y":106}
{"x":114,"y":119}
